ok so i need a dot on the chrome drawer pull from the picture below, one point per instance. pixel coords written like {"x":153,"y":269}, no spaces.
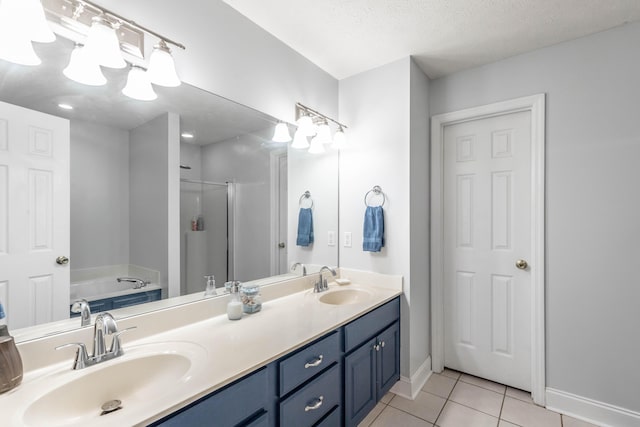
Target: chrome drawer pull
{"x":314,"y":363}
{"x":315,"y":405}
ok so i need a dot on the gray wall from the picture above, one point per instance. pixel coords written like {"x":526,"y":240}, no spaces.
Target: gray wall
{"x":231,"y":56}
{"x":149,"y":193}
{"x":387,"y":112}
{"x":593,"y":148}
{"x":99,"y":195}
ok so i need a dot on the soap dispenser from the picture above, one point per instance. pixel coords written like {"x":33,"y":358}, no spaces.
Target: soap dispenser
{"x":210,"y":288}
{"x":234,"y":308}
{"x":10,"y":361}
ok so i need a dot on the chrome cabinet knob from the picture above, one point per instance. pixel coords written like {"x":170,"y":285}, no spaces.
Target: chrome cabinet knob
{"x":522,"y":264}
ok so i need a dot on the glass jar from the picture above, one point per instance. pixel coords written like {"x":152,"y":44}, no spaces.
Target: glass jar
{"x":251,"y":300}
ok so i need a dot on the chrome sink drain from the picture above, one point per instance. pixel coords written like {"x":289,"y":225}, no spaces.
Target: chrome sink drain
{"x":110,"y":406}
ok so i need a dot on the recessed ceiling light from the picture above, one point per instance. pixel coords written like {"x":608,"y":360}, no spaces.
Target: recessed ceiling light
{"x":65,"y":106}
{"x":187,"y":135}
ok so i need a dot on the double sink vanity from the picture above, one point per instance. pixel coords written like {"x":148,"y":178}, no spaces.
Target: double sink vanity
{"x":307,"y":359}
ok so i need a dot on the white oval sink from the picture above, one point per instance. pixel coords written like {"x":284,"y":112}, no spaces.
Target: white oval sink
{"x":136,"y":379}
{"x":345,"y":296}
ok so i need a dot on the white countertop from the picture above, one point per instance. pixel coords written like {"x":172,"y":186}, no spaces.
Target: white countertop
{"x":223,"y":350}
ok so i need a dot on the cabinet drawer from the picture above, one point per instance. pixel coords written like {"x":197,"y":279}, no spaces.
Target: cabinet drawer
{"x":331,"y":420}
{"x":309,"y":404}
{"x":226,"y":408}
{"x":298,"y":368}
{"x":360,"y":330}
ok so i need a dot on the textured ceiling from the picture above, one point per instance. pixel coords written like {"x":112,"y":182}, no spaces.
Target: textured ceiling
{"x":345,"y":37}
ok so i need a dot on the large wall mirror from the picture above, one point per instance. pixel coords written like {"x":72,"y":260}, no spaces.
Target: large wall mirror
{"x":159,"y":193}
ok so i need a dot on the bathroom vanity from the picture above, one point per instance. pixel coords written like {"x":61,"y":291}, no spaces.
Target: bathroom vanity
{"x":305,"y":387}
{"x":306,"y":359}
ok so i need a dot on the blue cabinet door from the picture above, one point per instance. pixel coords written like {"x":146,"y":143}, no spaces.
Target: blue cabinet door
{"x":388,"y":355}
{"x":360,"y":391}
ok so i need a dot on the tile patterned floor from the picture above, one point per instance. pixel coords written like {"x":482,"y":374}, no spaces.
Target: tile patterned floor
{"x":453,"y":399}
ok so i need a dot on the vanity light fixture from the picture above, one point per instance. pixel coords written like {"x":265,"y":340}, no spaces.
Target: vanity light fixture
{"x":138,"y":85}
{"x":281,"y":133}
{"x":324,"y":132}
{"x":102,"y":44}
{"x":305,"y":125}
{"x":339,"y":139}
{"x":311,"y":122}
{"x":22,"y":22}
{"x":162,"y":67}
{"x":83,"y":69}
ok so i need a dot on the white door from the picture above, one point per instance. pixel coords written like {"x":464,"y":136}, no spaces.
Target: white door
{"x":487,"y":229}
{"x":34,"y":223}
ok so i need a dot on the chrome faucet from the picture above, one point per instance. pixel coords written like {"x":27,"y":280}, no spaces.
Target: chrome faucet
{"x":104,"y":325}
{"x":82,"y":306}
{"x":304,"y":268}
{"x":138,"y":283}
{"x":321,"y":285}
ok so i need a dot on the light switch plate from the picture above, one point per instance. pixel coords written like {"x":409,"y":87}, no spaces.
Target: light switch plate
{"x":331,"y":238}
{"x":347,"y":239}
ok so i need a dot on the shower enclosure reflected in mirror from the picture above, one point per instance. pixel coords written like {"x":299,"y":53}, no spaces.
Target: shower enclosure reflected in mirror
{"x":132,"y":208}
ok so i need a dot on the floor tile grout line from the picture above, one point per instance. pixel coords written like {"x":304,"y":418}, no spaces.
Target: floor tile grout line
{"x":446,"y":400}
{"x":504,"y":397}
{"x":380,"y":413}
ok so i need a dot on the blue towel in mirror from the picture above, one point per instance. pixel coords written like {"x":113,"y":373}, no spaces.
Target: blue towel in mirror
{"x":373,"y":233}
{"x":305,"y":227}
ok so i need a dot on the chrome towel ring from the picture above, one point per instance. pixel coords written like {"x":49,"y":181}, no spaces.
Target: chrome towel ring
{"x":377,"y":191}
{"x":306,"y":196}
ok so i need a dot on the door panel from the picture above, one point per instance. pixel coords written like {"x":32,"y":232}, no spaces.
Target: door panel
{"x":487,"y":227}
{"x":34,"y":154}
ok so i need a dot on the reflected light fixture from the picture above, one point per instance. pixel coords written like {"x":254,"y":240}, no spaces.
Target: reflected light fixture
{"x":65,"y":106}
{"x":281,"y":133}
{"x":138,"y":85}
{"x":300,"y":140}
{"x":83,"y":69}
{"x":339,"y":139}
{"x":34,"y":20}
{"x":21,"y":22}
{"x":187,"y":135}
{"x":103,"y":45}
{"x":162,"y":67}
{"x":317,"y":146}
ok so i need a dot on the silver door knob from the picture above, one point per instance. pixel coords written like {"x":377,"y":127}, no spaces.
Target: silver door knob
{"x":62,"y":260}
{"x":281,"y":245}
{"x":522,"y":264}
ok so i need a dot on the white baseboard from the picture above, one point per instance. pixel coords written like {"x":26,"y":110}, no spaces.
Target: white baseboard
{"x":410,"y":387}
{"x":589,"y":410}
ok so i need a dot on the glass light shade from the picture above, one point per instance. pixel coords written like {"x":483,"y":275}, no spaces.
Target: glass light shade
{"x":306,"y":125}
{"x":138,"y":85}
{"x":281,"y":133}
{"x":162,"y":67}
{"x":36,"y":23}
{"x":83,"y":70}
{"x":102,"y":44}
{"x":317,"y":146}
{"x":15,"y":41}
{"x":300,"y":140}
{"x":339,"y":139}
{"x":324,"y":133}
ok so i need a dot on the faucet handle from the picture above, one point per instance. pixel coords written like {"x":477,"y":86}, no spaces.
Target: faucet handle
{"x":81,"y":355}
{"x":116,"y":346}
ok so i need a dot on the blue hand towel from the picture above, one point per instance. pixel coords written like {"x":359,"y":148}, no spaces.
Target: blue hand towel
{"x":373,"y":233}
{"x":305,"y":227}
